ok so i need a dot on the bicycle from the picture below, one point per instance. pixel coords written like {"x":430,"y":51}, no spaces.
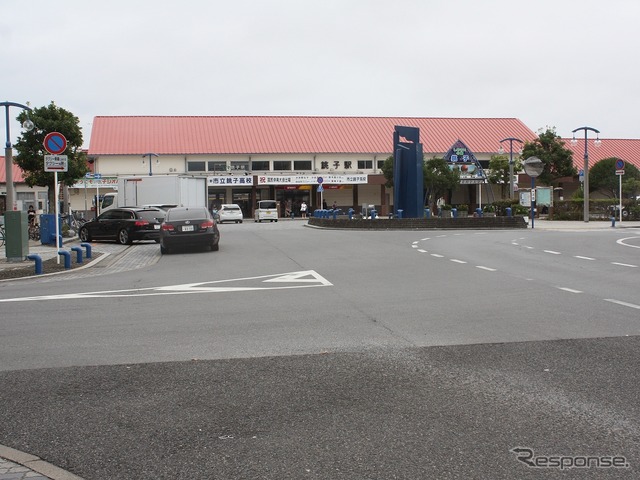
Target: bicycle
{"x":34,"y":231}
{"x":1,"y":235}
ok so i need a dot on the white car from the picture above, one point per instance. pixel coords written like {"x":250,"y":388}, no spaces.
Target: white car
{"x":230,"y":212}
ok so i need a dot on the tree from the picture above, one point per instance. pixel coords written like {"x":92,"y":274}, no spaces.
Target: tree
{"x":439,"y":179}
{"x":557,"y":159}
{"x":603,"y":178}
{"x":31,"y":152}
{"x":499,"y":171}
{"x":387,"y":171}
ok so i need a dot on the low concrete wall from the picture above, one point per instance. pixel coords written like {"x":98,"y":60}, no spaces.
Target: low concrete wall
{"x":471,"y":223}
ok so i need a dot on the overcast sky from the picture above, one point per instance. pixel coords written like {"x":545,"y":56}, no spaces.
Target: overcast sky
{"x":559,"y":63}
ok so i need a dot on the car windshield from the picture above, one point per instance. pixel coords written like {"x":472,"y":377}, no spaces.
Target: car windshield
{"x":231,"y":207}
{"x":267,"y":204}
{"x":186,"y":214}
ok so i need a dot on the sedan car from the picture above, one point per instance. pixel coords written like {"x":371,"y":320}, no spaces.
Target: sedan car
{"x":124,"y":225}
{"x":188,"y":227}
{"x":230,"y":212}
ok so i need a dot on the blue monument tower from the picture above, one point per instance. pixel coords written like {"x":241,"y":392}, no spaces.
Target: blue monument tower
{"x":408,"y":179}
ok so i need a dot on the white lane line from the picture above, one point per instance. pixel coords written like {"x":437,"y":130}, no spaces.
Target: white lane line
{"x":624,"y":264}
{"x":422,"y":251}
{"x":528,"y":247}
{"x":455,"y":260}
{"x":583,"y":258}
{"x":437,"y":256}
{"x":425,"y":239}
{"x":552,"y":252}
{"x":416,"y":242}
{"x":440,"y":236}
{"x":488,"y":269}
{"x":515,"y":243}
{"x":570,"y":290}
{"x":414,"y":246}
{"x":624,"y":304}
{"x":622,"y":240}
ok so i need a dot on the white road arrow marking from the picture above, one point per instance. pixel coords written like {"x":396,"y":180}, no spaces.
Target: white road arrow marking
{"x":305,"y":279}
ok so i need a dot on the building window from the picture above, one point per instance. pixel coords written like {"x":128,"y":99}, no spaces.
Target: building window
{"x":380,"y":164}
{"x":365,"y":164}
{"x":196,"y":166}
{"x":281,"y":165}
{"x":260,"y":165}
{"x":217,"y":166}
{"x":302,"y":165}
{"x":239,"y":166}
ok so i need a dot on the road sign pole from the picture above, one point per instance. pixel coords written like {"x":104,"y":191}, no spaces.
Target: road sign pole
{"x":57,"y":209}
{"x":620,"y":197}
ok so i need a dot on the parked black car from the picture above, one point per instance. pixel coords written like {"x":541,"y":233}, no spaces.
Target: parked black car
{"x":124,"y":225}
{"x":188,"y":227}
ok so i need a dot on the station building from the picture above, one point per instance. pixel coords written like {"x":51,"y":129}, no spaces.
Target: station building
{"x":247,"y":159}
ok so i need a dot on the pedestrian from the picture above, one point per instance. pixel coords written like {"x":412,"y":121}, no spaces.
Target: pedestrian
{"x":335,"y":205}
{"x":324,"y":204}
{"x":31,"y":215}
{"x":303,"y":209}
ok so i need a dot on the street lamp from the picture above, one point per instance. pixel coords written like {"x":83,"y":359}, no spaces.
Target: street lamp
{"x":596,"y":142}
{"x":8,"y":152}
{"x":533,"y":167}
{"x":510,"y":140}
{"x":150,"y":162}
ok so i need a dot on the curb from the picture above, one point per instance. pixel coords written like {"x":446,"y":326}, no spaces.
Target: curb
{"x":36,"y":464}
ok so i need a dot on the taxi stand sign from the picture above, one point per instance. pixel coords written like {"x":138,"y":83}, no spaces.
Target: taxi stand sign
{"x":56,"y":163}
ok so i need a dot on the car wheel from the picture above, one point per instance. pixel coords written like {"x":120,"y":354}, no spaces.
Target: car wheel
{"x":123,"y":237}
{"x":157,"y":240}
{"x":84,"y":235}
{"x":215,"y":247}
{"x":240,"y":221}
{"x":163,"y":250}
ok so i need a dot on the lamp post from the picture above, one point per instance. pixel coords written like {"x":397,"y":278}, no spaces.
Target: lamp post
{"x":510,"y":140}
{"x":8,"y":152}
{"x":533,"y":167}
{"x":596,"y":142}
{"x":150,"y":155}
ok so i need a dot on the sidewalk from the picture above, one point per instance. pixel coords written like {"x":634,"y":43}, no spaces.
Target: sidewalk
{"x":580,"y":225}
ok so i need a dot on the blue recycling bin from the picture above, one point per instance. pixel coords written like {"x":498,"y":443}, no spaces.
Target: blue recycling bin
{"x":48,"y":228}
{"x":427,"y":213}
{"x":508,"y":211}
{"x":454,"y":212}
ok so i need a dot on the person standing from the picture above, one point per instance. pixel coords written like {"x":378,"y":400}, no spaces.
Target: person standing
{"x":31,"y":215}
{"x":303,"y":209}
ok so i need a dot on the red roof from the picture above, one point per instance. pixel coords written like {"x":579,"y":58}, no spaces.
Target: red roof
{"x":273,"y":135}
{"x":18,"y":174}
{"x":626,"y":149}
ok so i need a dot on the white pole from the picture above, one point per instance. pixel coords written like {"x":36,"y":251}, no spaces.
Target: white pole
{"x":620,"y":196}
{"x":56,"y":211}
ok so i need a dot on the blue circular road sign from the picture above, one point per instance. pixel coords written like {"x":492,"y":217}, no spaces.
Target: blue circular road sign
{"x":619,"y":164}
{"x":55,"y":143}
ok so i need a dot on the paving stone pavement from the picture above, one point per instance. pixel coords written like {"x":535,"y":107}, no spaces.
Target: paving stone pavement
{"x":14,"y":471}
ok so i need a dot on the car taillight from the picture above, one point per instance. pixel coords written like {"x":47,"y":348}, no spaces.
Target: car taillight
{"x":207,"y":224}
{"x":167,"y":227}
{"x":141,"y":223}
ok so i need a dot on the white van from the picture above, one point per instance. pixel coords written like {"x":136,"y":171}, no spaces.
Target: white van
{"x":266,"y":210}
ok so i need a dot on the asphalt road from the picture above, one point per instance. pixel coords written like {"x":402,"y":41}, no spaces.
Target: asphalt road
{"x":303,"y":353}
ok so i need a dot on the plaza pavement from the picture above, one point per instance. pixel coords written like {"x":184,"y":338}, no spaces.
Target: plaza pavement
{"x":17,"y":465}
